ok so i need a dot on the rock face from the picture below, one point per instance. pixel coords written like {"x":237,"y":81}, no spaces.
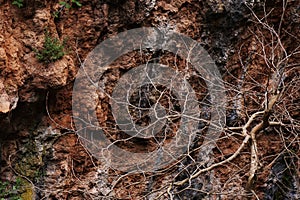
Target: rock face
{"x":38,"y":141}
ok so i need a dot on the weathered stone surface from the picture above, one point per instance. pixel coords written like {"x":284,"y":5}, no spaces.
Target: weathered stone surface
{"x":37,"y":134}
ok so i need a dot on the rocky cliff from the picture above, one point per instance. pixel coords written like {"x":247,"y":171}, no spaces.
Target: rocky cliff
{"x":255,"y":46}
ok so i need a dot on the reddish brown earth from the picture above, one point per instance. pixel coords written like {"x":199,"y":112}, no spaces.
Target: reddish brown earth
{"x":38,"y":141}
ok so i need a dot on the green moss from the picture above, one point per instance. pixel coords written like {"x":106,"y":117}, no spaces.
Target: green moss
{"x":28,"y":193}
{"x":30,"y":162}
{"x":11,"y":190}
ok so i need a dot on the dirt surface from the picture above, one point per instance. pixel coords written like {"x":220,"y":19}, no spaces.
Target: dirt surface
{"x":39,"y":143}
